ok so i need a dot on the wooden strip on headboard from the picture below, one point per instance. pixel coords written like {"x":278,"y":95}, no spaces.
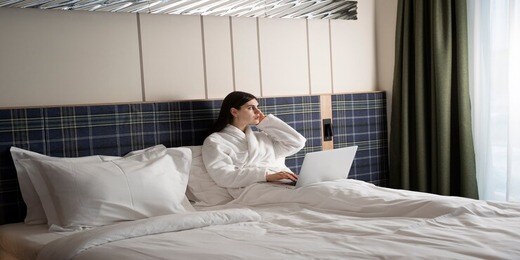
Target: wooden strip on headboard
{"x":326,"y":113}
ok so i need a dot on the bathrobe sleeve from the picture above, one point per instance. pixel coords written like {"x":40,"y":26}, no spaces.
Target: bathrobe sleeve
{"x":286,"y":140}
{"x":222,"y":170}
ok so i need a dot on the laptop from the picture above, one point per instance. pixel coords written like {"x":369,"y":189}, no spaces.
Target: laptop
{"x":328,"y":165}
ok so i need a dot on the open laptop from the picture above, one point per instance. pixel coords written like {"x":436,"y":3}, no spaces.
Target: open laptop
{"x":328,"y":165}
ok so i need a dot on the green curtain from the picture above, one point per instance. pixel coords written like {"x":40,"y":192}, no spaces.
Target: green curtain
{"x":431,"y":144}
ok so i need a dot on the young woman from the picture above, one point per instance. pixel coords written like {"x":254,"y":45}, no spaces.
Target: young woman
{"x":235,"y":156}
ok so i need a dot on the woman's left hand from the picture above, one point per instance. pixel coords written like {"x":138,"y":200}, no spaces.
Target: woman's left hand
{"x":281,"y":176}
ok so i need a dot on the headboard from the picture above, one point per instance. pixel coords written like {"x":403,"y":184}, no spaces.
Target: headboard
{"x":73,"y":131}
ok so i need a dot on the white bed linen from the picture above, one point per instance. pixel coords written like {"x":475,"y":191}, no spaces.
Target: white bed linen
{"x":22,"y":241}
{"x":338,"y":219}
{"x":72,"y":246}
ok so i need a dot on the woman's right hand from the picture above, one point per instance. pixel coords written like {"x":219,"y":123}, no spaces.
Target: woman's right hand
{"x":261,"y":115}
{"x":281,"y":176}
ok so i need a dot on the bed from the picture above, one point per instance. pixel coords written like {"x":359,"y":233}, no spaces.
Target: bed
{"x":353,"y":218}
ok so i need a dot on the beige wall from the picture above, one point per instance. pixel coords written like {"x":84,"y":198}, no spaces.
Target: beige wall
{"x":386,"y":15}
{"x":73,"y":57}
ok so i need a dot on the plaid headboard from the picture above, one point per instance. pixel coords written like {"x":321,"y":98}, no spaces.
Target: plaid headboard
{"x":118,"y":129}
{"x":74,"y":131}
{"x":360,"y":119}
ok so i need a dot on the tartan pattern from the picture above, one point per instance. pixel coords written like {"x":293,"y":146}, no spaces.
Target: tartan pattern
{"x":23,"y":128}
{"x":74,"y":131}
{"x":360,"y":119}
{"x":304,"y":115}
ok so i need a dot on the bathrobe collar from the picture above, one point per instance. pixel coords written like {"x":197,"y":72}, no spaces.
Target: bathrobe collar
{"x":249,"y":137}
{"x":234,"y":131}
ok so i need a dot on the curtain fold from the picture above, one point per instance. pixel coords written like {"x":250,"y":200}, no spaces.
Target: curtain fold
{"x":431,"y":145}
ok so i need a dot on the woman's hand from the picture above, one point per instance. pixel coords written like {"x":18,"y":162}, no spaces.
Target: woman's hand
{"x":281,"y":176}
{"x":261,"y":115}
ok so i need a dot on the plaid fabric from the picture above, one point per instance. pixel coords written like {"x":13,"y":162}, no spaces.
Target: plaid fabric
{"x":360,"y":119}
{"x":119,"y":129}
{"x":304,"y":115}
{"x":23,"y":128}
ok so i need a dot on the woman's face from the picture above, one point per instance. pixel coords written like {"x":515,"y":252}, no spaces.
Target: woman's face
{"x":248,"y":114}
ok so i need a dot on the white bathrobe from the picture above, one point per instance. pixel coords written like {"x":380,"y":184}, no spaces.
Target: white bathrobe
{"x":235,"y":159}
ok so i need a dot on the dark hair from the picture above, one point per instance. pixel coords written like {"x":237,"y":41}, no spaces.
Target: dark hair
{"x":234,"y":99}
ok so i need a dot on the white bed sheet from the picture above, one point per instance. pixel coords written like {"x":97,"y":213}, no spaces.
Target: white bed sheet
{"x":21,"y":241}
{"x":333,"y":220}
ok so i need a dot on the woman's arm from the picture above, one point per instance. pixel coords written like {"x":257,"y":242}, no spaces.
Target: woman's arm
{"x":286,"y":140}
{"x":222,"y":170}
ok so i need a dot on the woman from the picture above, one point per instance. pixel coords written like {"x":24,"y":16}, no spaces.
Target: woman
{"x":235,"y":156}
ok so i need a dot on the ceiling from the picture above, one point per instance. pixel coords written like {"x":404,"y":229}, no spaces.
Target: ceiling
{"x":307,"y":9}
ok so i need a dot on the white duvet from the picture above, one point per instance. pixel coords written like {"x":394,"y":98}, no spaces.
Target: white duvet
{"x":331,"y":220}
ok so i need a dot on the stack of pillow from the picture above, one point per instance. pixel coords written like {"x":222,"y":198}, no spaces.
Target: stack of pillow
{"x":83,"y":192}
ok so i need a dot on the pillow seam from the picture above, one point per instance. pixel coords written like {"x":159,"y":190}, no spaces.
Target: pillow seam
{"x":127,"y":185}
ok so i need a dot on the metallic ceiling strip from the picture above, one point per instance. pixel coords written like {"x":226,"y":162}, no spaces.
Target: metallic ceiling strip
{"x":308,"y":9}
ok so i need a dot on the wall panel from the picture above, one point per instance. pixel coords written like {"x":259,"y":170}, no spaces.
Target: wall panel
{"x":217,"y":47}
{"x":50,"y":57}
{"x":173,"y":63}
{"x":354,"y":51}
{"x":245,"y":55}
{"x":284,"y":57}
{"x":319,"y":56}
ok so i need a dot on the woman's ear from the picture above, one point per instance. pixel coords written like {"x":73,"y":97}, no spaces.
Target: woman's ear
{"x":234,"y":112}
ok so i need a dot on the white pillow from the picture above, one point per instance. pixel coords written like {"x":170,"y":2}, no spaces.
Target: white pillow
{"x":144,"y":154}
{"x":79,"y":195}
{"x":35,"y":212}
{"x":149,"y":153}
{"x":201,"y":185}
